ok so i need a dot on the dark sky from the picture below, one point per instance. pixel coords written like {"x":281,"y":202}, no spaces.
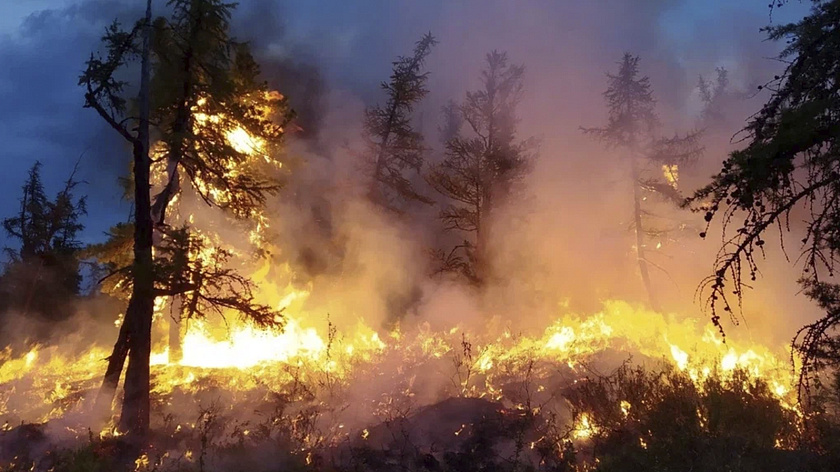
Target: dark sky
{"x":44,"y":43}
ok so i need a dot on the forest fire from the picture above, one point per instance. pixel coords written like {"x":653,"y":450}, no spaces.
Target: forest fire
{"x":364,"y":296}
{"x":44,"y":384}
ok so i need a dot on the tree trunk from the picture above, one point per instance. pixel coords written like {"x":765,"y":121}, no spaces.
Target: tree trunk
{"x":175,"y":346}
{"x":134,"y":419}
{"x":640,"y":236}
{"x":116,"y":362}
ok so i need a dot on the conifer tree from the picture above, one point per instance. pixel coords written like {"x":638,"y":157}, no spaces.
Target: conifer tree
{"x":42,"y":276}
{"x":203,"y":92}
{"x":652,"y":161}
{"x":790,"y":163}
{"x":484,"y":161}
{"x":393,"y":145}
{"x":714,"y":95}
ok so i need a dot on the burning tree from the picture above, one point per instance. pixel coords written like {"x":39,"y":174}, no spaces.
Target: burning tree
{"x":790,"y":163}
{"x":482,"y":165}
{"x":217,"y":124}
{"x":393,"y":146}
{"x":653,"y":161}
{"x":42,"y":276}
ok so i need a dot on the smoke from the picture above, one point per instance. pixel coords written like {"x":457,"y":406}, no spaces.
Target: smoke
{"x":567,"y":244}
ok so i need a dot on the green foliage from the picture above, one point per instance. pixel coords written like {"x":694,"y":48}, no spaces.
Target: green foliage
{"x":393,"y":145}
{"x":205,"y":85}
{"x":199,"y":68}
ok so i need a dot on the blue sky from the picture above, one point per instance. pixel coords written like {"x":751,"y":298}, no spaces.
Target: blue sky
{"x":44,"y":43}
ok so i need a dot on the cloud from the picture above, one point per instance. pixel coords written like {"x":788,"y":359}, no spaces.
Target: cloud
{"x":42,"y":116}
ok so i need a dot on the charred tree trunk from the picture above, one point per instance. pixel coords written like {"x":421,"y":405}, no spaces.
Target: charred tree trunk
{"x":175,"y":345}
{"x":640,"y":236}
{"x":116,"y":362}
{"x":375,"y":193}
{"x":134,"y":418}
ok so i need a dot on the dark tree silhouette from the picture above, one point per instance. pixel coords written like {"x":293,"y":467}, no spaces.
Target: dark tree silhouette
{"x":393,"y":145}
{"x":790,"y":163}
{"x":42,"y":277}
{"x":206,"y":85}
{"x":632,"y":127}
{"x":714,"y":95}
{"x":216,"y":93}
{"x":104,"y":94}
{"x":482,"y":165}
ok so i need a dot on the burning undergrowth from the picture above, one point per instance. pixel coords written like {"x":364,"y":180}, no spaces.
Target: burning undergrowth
{"x":416,"y":395}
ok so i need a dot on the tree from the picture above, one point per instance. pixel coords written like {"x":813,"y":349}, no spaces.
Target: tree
{"x":104,"y":94}
{"x":213,"y":111}
{"x":452,"y":122}
{"x":215,"y":116}
{"x":714,"y":96}
{"x":393,"y":146}
{"x":482,"y":165}
{"x":790,"y":164}
{"x":210,"y":124}
{"x":653,"y":161}
{"x":42,"y":276}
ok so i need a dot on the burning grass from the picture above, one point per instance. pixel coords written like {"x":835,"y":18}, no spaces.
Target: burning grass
{"x":330,"y":400}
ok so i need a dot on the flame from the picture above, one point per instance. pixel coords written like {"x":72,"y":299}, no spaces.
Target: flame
{"x":45,"y":383}
{"x":583,"y":428}
{"x":671,"y":172}
{"x":248,"y":346}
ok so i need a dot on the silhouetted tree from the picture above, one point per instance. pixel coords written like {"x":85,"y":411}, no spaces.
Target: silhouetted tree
{"x":482,"y":164}
{"x":204,"y":89}
{"x":714,"y":96}
{"x":42,"y":277}
{"x":393,"y":145}
{"x":452,"y":122}
{"x":653,"y":161}
{"x":791,"y":162}
{"x":104,"y":94}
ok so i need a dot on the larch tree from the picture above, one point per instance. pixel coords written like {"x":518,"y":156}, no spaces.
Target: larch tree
{"x":393,"y":146}
{"x":790,"y":165}
{"x":103,"y":93}
{"x":201,"y":90}
{"x":42,"y":276}
{"x":219,"y":123}
{"x":652,"y":161}
{"x":483,"y":162}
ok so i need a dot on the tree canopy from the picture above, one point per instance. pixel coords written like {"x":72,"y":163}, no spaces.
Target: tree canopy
{"x":654,"y":160}
{"x":483,"y":162}
{"x":42,"y":277}
{"x":393,"y":145}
